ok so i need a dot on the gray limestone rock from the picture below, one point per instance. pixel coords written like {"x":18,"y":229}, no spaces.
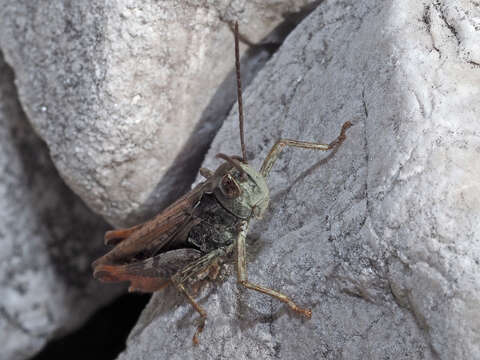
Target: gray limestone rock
{"x":380,"y":237}
{"x":48,"y":238}
{"x":119,"y":90}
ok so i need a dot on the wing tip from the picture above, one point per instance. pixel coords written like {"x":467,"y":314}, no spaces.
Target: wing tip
{"x":112,"y":273}
{"x":105,"y":273}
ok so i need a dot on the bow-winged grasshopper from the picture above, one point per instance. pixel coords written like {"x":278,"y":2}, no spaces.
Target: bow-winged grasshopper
{"x":185,"y":241}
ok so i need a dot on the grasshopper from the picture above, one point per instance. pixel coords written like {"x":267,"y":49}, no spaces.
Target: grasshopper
{"x":187,"y":240}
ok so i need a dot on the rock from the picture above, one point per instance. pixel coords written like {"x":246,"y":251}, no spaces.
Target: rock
{"x":381,"y":236}
{"x":119,"y":91}
{"x":48,"y":239}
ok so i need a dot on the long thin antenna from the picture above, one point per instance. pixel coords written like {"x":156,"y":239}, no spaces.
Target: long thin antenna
{"x":239,"y":94}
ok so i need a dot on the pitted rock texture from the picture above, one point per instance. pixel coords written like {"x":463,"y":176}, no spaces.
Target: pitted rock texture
{"x":381,"y":236}
{"x":48,"y":237}
{"x":119,"y":90}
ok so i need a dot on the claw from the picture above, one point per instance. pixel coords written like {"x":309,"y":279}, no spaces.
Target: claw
{"x":341,"y":138}
{"x":307,"y":313}
{"x":199,"y":330}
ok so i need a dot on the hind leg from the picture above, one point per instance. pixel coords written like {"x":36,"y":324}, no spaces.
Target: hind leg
{"x":192,"y":273}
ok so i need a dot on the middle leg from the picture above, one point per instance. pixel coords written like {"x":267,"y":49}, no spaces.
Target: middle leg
{"x":243,"y":277}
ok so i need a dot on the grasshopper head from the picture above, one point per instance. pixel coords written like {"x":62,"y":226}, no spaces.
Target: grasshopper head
{"x":241,"y":189}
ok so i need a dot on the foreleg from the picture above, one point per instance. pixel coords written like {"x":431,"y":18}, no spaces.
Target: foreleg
{"x":280,"y":145}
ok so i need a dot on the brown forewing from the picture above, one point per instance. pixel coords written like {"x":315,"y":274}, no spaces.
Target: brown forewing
{"x":148,"y":238}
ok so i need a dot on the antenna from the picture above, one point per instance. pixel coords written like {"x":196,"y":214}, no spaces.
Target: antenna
{"x":239,"y":93}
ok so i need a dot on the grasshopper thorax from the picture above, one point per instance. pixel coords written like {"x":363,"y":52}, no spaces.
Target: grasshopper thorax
{"x":241,"y":189}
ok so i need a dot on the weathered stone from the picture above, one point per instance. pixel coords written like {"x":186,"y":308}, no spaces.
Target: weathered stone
{"x":118,"y":90}
{"x":48,"y":238}
{"x":380,"y":238}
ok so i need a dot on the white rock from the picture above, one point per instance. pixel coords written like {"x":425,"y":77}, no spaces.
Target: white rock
{"x":48,"y":238}
{"x":380,"y":238}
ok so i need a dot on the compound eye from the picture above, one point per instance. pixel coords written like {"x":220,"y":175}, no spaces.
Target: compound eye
{"x":229,"y":187}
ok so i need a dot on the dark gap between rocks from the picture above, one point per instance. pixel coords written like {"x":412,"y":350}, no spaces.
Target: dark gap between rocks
{"x":103,"y":336}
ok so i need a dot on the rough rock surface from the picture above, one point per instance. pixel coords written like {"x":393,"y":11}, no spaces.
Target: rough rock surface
{"x":48,"y":237}
{"x":118,"y":90}
{"x":380,"y":238}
